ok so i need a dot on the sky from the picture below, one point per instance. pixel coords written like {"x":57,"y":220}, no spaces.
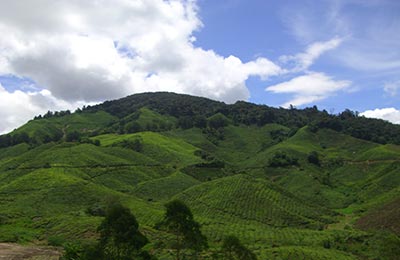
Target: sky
{"x":336,"y":54}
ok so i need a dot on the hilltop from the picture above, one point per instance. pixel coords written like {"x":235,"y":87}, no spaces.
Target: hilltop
{"x":290,"y":183}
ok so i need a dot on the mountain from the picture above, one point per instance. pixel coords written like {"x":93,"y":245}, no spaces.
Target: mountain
{"x":290,"y":183}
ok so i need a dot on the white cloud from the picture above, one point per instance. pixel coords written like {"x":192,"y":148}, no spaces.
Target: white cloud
{"x":303,"y":61}
{"x":97,"y":50}
{"x":77,"y":50}
{"x":25,"y":106}
{"x":309,"y":88}
{"x":392,"y":88}
{"x":390,"y":114}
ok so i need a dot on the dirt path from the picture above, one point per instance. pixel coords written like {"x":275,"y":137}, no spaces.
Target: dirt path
{"x":18,"y":252}
{"x":371,"y":161}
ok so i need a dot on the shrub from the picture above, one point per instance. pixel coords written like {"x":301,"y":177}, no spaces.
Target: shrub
{"x":282,"y":159}
{"x":135,"y":145}
{"x":313,"y":158}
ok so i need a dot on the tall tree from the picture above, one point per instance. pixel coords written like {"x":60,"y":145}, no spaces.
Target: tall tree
{"x":120,"y":237}
{"x":232,"y":249}
{"x":179,"y":220}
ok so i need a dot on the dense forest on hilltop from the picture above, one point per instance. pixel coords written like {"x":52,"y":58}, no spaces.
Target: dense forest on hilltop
{"x":190,"y":111}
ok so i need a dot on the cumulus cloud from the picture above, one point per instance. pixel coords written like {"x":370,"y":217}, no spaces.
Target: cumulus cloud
{"x":96,"y":50}
{"x":88,"y":51}
{"x":304,"y":60}
{"x":312,"y":86}
{"x":390,"y":114}
{"x":309,"y":88}
{"x":25,"y":105}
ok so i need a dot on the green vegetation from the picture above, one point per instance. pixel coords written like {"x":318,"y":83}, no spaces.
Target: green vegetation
{"x":179,"y":221}
{"x":232,"y":249}
{"x":285,"y":184}
{"x":120,"y":237}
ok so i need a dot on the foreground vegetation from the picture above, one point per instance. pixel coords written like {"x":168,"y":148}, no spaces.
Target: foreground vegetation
{"x":257,"y":181}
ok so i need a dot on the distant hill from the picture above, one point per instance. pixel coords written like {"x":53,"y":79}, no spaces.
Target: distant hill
{"x":290,"y":183}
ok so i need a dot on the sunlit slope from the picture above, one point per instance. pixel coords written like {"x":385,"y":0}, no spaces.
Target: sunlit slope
{"x":167,"y":150}
{"x":383,"y":217}
{"x":54,"y":201}
{"x":163,"y":189}
{"x":87,"y":123}
{"x":258,"y":200}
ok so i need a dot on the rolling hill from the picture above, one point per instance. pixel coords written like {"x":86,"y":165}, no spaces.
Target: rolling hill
{"x":290,"y":184}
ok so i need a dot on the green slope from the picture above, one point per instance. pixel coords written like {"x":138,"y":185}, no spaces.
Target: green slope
{"x":163,"y":189}
{"x":252,"y":199}
{"x":52,"y":191}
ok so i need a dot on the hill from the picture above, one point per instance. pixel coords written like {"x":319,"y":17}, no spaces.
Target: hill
{"x":290,"y":183}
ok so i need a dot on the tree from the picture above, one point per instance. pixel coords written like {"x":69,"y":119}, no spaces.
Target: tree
{"x":179,"y":220}
{"x":218,"y":121}
{"x":132,"y":127}
{"x":282,"y":159}
{"x":120,"y":237}
{"x":5,"y":141}
{"x":20,"y":138}
{"x":73,"y":136}
{"x":313,"y":158}
{"x":200,"y":121}
{"x":185,"y":122}
{"x":135,"y":144}
{"x":232,"y":249}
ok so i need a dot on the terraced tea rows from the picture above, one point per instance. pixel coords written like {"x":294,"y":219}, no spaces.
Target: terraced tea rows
{"x":246,"y":198}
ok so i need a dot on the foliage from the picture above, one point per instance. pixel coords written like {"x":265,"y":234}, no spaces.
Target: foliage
{"x":72,"y":251}
{"x":185,"y":122}
{"x":73,"y":136}
{"x":282,"y":159}
{"x":279,"y":135}
{"x":135,"y":145}
{"x":313,"y":158}
{"x":387,"y":245}
{"x":218,"y":121}
{"x":234,"y":250}
{"x":178,"y":219}
{"x":120,"y":237}
{"x":132,"y":127}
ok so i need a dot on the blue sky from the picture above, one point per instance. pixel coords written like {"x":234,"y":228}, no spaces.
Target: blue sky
{"x":335,"y":54}
{"x":369,"y":31}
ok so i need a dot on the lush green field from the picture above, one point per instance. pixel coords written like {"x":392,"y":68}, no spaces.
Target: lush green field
{"x":53,"y":191}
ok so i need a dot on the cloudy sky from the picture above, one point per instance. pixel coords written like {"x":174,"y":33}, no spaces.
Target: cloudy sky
{"x":335,"y":54}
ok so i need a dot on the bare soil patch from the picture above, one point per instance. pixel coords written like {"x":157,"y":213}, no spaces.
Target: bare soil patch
{"x":17,"y":252}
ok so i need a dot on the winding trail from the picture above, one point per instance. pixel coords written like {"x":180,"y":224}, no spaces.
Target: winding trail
{"x":371,"y":161}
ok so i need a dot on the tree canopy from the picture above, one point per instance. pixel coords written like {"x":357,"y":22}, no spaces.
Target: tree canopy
{"x":120,"y":237}
{"x":234,"y":250}
{"x":178,"y":219}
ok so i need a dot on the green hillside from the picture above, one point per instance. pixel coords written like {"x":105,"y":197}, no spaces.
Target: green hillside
{"x":290,"y":184}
